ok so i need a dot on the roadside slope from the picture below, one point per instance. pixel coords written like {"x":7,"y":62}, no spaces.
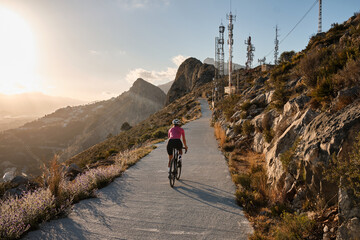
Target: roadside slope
{"x":141,"y":204}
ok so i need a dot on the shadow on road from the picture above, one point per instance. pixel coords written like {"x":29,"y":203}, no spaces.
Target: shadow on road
{"x":208,"y":195}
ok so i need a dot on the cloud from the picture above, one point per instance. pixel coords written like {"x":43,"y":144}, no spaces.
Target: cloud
{"x":156,"y":77}
{"x":178,"y":60}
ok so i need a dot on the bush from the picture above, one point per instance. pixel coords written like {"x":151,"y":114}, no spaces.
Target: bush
{"x":280,"y":96}
{"x":245,"y":106}
{"x":247,"y":128}
{"x":243,"y":179}
{"x":294,"y":226}
{"x":125,"y":126}
{"x":228,"y":105}
{"x":346,"y":168}
{"x":287,"y":156}
{"x":160,"y":133}
{"x":268,"y":135}
{"x":220,"y":133}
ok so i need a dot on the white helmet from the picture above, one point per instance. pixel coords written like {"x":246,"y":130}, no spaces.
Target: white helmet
{"x":176,"y":122}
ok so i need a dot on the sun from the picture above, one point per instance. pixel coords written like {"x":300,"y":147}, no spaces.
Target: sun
{"x":17,"y":55}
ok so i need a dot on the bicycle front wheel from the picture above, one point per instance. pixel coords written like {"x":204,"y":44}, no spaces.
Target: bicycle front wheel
{"x":172,"y":174}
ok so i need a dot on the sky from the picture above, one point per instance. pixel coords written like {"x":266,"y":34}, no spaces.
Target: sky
{"x":95,"y":49}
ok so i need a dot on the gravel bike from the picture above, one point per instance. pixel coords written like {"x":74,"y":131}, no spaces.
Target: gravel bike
{"x":175,"y":167}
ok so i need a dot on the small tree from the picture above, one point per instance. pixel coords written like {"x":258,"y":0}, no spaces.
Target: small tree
{"x":286,"y":56}
{"x":125,"y":126}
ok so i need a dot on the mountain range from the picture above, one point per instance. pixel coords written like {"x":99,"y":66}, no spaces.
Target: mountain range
{"x":70,"y":130}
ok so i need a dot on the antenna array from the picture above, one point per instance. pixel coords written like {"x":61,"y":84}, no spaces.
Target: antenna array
{"x":250,"y":54}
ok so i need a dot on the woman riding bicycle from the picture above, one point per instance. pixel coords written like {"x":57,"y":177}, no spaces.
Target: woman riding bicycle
{"x":174,"y":135}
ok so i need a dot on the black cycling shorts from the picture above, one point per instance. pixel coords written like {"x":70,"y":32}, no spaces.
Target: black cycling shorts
{"x":173,"y":143}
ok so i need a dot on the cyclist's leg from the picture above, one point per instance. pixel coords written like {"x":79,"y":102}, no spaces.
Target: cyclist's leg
{"x":169,"y":149}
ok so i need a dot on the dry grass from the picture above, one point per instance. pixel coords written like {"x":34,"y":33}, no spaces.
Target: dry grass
{"x":220,"y":134}
{"x":128,"y":158}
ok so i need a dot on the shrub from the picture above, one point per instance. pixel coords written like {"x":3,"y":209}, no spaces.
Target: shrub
{"x":220,"y":133}
{"x":294,"y":226}
{"x":237,"y":129}
{"x":245,"y":106}
{"x":349,"y":76}
{"x":346,"y":168}
{"x":247,"y":128}
{"x":125,"y":126}
{"x":268,"y":135}
{"x":280,"y":96}
{"x":228,"y":105}
{"x":20,"y":214}
{"x":243,"y":179}
{"x":160,"y":133}
{"x":228,"y":147}
{"x":287,"y":156}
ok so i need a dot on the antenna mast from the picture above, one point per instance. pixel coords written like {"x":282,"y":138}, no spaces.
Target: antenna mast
{"x":221,"y":50}
{"x":276,"y":52}
{"x":320,"y":17}
{"x":230,"y":17}
{"x":250,"y":54}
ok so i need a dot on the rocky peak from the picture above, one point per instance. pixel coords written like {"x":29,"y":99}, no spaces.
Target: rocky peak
{"x":148,"y":90}
{"x":191,"y":74}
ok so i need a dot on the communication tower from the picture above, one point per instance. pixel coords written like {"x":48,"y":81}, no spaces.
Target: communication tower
{"x":231,"y":18}
{"x":250,"y":54}
{"x":276,"y":52}
{"x":221,"y":50}
{"x":320,"y":17}
{"x":217,"y":56}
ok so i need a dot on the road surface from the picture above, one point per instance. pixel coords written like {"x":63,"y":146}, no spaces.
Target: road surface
{"x":142,"y":205}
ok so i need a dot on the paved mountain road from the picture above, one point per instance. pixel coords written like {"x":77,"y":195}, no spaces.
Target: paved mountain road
{"x":142,"y":205}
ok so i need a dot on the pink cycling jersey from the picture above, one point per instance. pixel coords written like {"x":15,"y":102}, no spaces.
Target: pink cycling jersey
{"x":176,"y":133}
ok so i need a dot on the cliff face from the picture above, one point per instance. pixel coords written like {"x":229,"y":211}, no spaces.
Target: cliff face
{"x":71,"y":130}
{"x":191,"y":74}
{"x":301,"y":115}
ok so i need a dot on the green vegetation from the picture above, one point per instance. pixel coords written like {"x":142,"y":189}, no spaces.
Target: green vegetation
{"x":247,"y":128}
{"x":125,"y":126}
{"x":346,"y":169}
{"x":293,"y":227}
{"x":287,"y":156}
{"x":228,"y":105}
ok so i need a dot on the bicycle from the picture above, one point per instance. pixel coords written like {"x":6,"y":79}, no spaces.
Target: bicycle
{"x":175,"y":167}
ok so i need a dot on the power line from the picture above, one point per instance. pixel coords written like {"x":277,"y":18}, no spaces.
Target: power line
{"x":316,"y":1}
{"x":299,"y":21}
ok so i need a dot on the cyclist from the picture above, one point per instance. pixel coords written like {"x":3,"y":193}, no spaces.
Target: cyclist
{"x":174,"y":135}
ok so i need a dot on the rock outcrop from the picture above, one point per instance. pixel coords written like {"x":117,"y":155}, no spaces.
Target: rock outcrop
{"x":191,"y":74}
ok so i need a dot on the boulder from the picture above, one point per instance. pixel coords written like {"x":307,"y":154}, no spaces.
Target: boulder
{"x":20,"y":180}
{"x":72,"y":171}
{"x":295,"y":105}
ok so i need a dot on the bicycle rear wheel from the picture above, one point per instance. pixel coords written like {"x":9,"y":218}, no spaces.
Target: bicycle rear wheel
{"x":172,"y":174}
{"x":178,"y":171}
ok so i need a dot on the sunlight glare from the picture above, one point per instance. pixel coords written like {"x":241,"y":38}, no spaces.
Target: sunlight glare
{"x":17,"y":55}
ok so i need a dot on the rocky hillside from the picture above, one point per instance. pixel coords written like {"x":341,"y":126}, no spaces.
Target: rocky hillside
{"x":191,"y":74}
{"x":304,"y":117}
{"x":71,"y":130}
